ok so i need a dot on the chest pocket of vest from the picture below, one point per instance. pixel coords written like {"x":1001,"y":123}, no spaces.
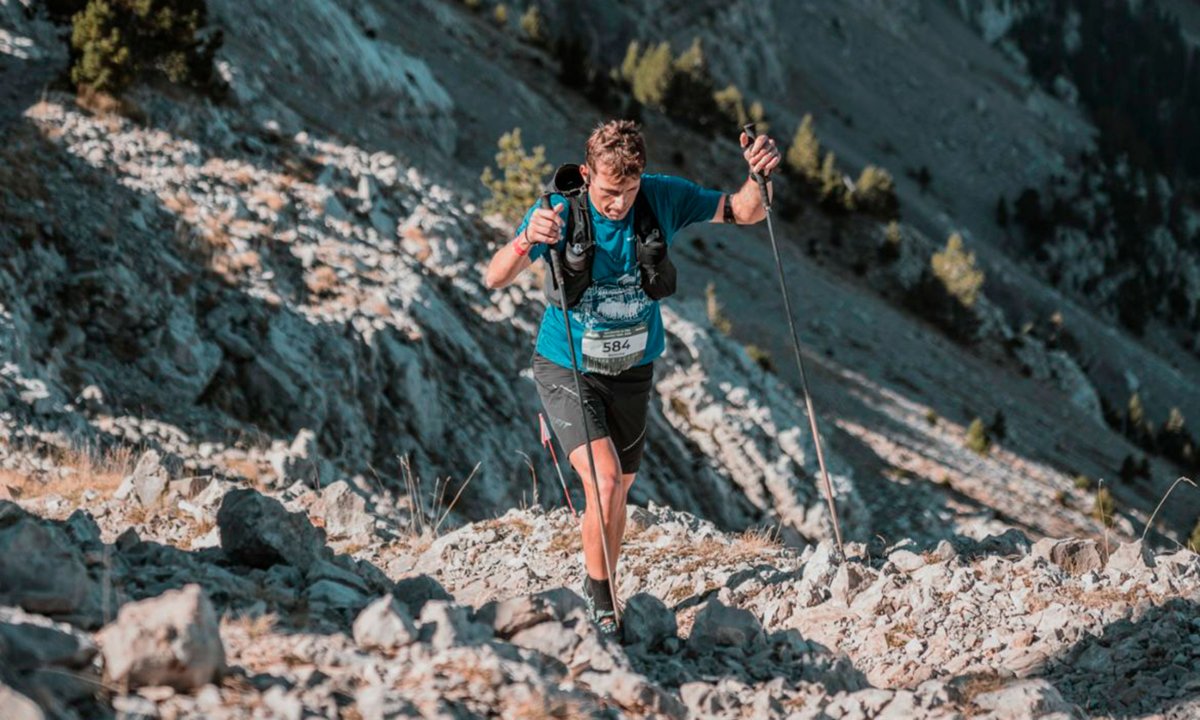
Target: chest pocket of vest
{"x":658,"y":272}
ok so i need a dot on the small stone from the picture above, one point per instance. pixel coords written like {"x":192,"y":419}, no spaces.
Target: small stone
{"x":1074,"y":556}
{"x":906,"y":561}
{"x":148,"y":479}
{"x":848,"y":581}
{"x":1132,"y":558}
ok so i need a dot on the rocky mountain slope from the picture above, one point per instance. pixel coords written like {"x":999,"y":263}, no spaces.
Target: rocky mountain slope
{"x":214,"y":315}
{"x":235,"y":604}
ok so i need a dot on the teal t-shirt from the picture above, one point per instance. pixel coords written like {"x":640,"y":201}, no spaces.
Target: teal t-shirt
{"x":615,"y":299}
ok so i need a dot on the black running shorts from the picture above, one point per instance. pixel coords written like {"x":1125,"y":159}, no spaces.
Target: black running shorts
{"x":616,"y":407}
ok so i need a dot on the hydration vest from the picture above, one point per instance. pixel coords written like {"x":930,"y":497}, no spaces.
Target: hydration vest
{"x":577,"y":253}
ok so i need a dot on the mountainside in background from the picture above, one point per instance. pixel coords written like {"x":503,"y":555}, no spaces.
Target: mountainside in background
{"x":282,"y":290}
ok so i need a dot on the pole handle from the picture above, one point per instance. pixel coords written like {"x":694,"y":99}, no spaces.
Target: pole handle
{"x":748,"y":128}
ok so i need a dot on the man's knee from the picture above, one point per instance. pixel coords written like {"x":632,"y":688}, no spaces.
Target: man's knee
{"x":612,"y":489}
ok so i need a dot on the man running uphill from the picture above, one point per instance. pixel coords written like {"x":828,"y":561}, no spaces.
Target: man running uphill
{"x":618,"y":224}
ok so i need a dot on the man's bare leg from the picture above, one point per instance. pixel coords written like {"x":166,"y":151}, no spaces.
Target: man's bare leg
{"x":612,"y":499}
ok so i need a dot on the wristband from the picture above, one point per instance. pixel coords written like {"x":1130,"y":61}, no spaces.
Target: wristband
{"x":516,"y":246}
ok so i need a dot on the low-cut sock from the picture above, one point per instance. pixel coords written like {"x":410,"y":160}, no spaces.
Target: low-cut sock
{"x":600,"y":592}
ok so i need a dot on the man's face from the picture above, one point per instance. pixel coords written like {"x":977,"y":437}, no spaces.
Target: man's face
{"x":613,"y":196}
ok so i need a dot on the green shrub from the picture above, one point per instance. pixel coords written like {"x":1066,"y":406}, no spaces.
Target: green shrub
{"x":955,"y":268}
{"x":716,"y":313}
{"x":875,"y":194}
{"x":523,"y":176}
{"x":473,"y":5}
{"x":931,"y":416}
{"x":1105,"y":506}
{"x":532,"y":25}
{"x":500,"y":15}
{"x":1193,"y":542}
{"x":1083,"y":482}
{"x":762,"y":357}
{"x":116,"y":42}
{"x":977,"y":437}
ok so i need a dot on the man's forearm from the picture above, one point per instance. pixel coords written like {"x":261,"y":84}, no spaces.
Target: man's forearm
{"x":507,"y":263}
{"x":747,"y":202}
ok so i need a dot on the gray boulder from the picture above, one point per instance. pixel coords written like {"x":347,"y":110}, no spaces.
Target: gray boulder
{"x":1025,"y":699}
{"x":344,"y":511}
{"x":41,"y":570}
{"x":718,"y":624}
{"x":257,"y":531}
{"x":647,"y":621}
{"x":417,"y":590}
{"x":18,"y":707}
{"x":302,"y":461}
{"x":384,"y":624}
{"x":508,"y":617}
{"x":172,"y":639}
{"x":445,"y":625}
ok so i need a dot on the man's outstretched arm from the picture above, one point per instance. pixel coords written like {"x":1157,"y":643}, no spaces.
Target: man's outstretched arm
{"x":544,"y":226}
{"x":745,"y":205}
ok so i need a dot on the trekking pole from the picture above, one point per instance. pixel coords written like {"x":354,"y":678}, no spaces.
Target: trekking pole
{"x":587,"y":434}
{"x":787,"y":308}
{"x":548,"y":443}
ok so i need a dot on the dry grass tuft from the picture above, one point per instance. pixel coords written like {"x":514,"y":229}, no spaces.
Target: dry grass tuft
{"x":252,"y":626}
{"x":900,"y":633}
{"x":972,"y":686}
{"x":88,"y":470}
{"x":567,"y":543}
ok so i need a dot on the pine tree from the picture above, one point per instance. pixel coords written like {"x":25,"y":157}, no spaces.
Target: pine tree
{"x":758,"y":117}
{"x":522,"y":180}
{"x":832,"y":188}
{"x":629,"y":65}
{"x":104,"y":58}
{"x":653,"y":76}
{"x":531,"y":25}
{"x":875,"y":194}
{"x":716,"y":313}
{"x":804,"y":156}
{"x":955,"y":268}
{"x":977,"y":437}
{"x":729,"y":101}
{"x":114,"y":42}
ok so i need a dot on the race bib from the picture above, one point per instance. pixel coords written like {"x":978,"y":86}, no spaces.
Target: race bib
{"x":613,"y":351}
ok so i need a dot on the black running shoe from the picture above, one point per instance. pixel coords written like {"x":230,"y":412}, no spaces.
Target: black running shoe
{"x":605,"y":620}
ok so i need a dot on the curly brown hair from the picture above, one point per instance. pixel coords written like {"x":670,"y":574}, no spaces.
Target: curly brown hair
{"x":618,"y":147}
